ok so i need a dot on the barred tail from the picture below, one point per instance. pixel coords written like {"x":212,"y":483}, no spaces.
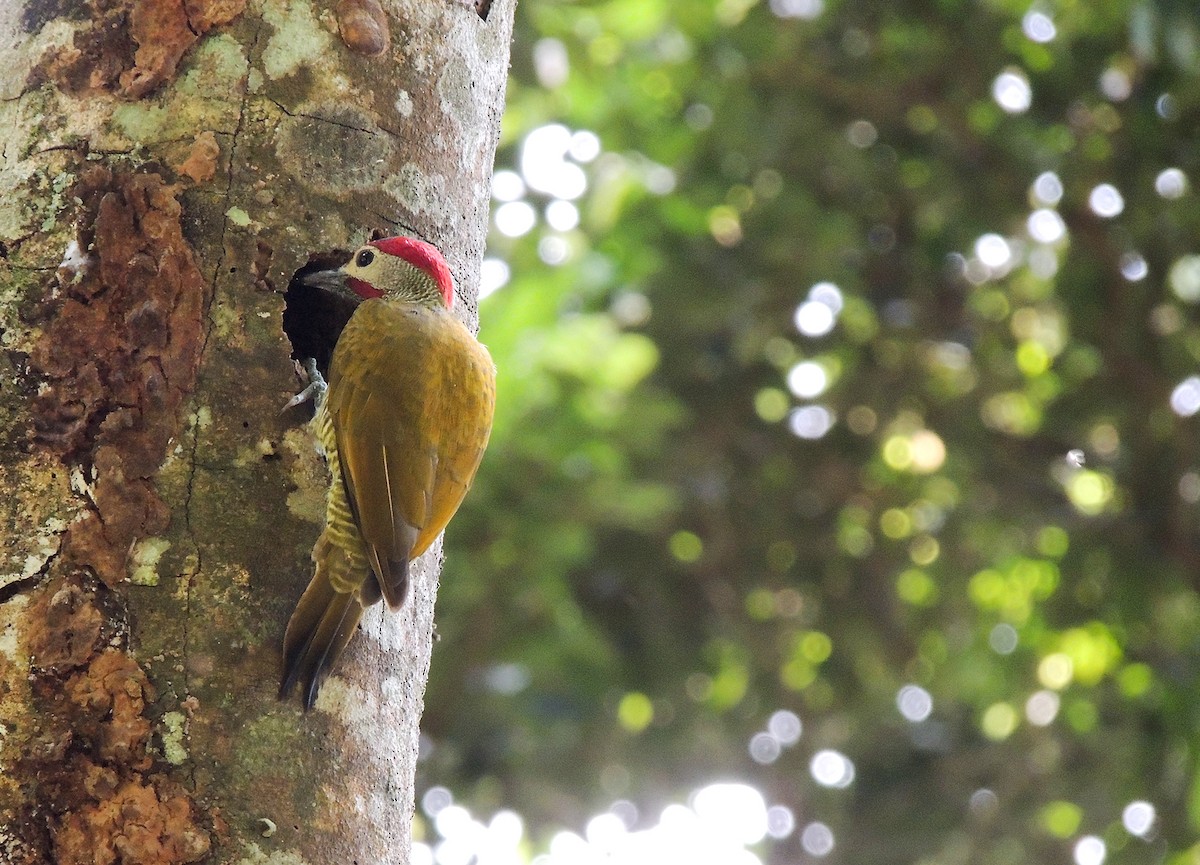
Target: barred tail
{"x":322,"y":624}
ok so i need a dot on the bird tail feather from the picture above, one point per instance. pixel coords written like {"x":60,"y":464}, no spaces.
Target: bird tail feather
{"x":320,"y":628}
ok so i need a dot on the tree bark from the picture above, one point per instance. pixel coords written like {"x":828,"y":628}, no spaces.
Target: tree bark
{"x":167,"y":167}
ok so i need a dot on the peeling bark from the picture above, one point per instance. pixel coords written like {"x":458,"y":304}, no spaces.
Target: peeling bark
{"x":99,"y":797}
{"x":165,"y":167}
{"x":117,"y":356}
{"x":131,"y":47}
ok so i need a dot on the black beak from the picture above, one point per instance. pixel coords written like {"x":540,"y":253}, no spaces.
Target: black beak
{"x":332,"y":281}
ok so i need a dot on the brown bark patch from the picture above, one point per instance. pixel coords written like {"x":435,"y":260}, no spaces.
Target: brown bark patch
{"x":91,"y":782}
{"x":363,"y":26}
{"x":160,"y":29}
{"x":201,"y":163}
{"x":132,"y":46}
{"x":66,"y":628}
{"x":139,"y":824}
{"x":119,"y":353}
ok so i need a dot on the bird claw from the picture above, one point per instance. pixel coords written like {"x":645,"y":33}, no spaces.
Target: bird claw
{"x":315,"y":390}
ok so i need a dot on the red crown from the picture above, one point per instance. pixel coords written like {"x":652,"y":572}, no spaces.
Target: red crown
{"x":425,"y":256}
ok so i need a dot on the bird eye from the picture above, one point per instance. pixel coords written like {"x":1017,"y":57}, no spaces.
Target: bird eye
{"x":364,"y":258}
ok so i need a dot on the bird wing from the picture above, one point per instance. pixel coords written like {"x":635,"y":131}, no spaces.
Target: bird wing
{"x":376,"y":402}
{"x":411,"y":395}
{"x":466,"y":400}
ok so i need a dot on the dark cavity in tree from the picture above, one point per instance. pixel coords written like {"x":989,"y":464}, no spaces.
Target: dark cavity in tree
{"x":313,"y":317}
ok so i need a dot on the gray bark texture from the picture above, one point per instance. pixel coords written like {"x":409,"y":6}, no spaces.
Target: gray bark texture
{"x":166,"y":166}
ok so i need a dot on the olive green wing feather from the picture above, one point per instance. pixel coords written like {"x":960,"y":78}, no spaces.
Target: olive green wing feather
{"x":377,"y":400}
{"x":466,"y":398}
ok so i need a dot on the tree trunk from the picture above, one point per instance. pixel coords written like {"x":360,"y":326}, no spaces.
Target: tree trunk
{"x":167,"y":167}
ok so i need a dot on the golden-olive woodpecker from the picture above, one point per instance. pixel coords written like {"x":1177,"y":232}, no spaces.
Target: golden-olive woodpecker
{"x":404,"y":422}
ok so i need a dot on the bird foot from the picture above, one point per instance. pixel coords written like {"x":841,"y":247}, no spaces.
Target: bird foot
{"x":316,"y":387}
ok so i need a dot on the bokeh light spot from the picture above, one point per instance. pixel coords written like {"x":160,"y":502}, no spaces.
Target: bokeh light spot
{"x":551,"y":63}
{"x":1056,"y":671}
{"x":817,"y":839}
{"x":562,"y":215}
{"x":781,"y":822}
{"x":515,"y":218}
{"x":1189,"y":487}
{"x":1046,"y":226}
{"x":1038,"y":26}
{"x":635,"y":712}
{"x":814,"y":318}
{"x":1012,"y":92}
{"x":553,"y":250}
{"x":1042,"y":708}
{"x":828,"y":294}
{"x":1090,"y":491}
{"x":1047,"y":188}
{"x":807,"y":9}
{"x":1115,"y":84}
{"x":605,"y":831}
{"x":1171,"y":183}
{"x":1106,"y":201}
{"x":724,"y":224}
{"x":999,"y":721}
{"x":895,"y":523}
{"x":916,"y":587}
{"x":862,"y":134}
{"x":631,"y":308}
{"x":924,"y":550}
{"x":734,"y":811}
{"x":435,"y":799}
{"x":993,"y":250}
{"x":862,"y":420}
{"x":1185,"y":398}
{"x":914,"y":703}
{"x":928,"y":451}
{"x":1053,"y":541}
{"x":544,"y":165}
{"x":493,"y":275}
{"x":771,"y":404}
{"x":686,"y":546}
{"x":831,"y":768}
{"x":1090,"y":850}
{"x":764,"y":748}
{"x":807,"y":379}
{"x":816,"y":647}
{"x":1138,"y":818}
{"x":1061,"y":819}
{"x":1135,"y":679}
{"x":785,"y":726}
{"x":507,"y":185}
{"x":811,"y":421}
{"x":1003,"y":639}
{"x":1184,"y":278}
{"x":897,"y":452}
{"x":1133,"y":266}
{"x":584,"y":146}
{"x":1032,"y":358}
{"x":983,"y":802}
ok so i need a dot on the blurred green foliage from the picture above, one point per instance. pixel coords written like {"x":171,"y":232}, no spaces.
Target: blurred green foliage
{"x":669,"y":540}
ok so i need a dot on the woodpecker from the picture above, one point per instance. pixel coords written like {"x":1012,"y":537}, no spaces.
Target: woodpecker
{"x":403,"y":421}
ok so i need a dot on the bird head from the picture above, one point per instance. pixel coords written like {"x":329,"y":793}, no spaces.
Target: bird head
{"x":401,"y":268}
